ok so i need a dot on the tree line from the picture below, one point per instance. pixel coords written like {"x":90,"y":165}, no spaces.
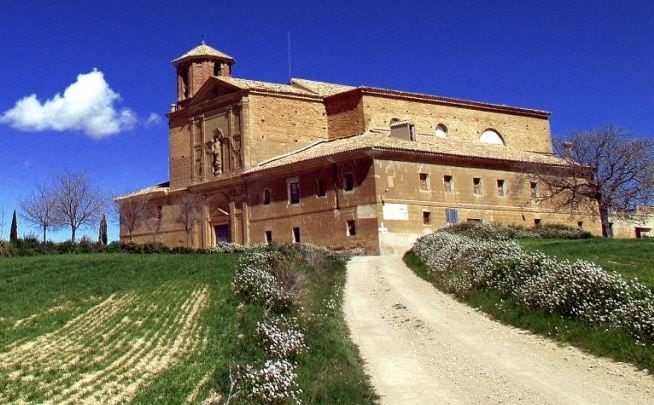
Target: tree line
{"x":68,"y":200}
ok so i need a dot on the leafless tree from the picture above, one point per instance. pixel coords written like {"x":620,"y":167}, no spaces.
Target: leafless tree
{"x":609,"y":172}
{"x":131,"y":212}
{"x":154,"y":220}
{"x":77,"y":202}
{"x":189,"y":206}
{"x":39,"y":209}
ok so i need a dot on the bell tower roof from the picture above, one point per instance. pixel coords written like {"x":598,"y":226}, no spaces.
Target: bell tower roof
{"x":204,"y":51}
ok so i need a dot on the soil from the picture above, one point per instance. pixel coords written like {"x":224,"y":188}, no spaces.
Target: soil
{"x":422,"y":346}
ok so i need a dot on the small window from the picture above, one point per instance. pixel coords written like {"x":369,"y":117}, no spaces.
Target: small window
{"x":476,"y":184}
{"x":448,"y":184}
{"x":500,"y":188}
{"x":269,"y":237}
{"x":320,"y":185}
{"x":491,"y":137}
{"x":477,"y":220}
{"x":348,"y":182}
{"x":294,"y":190}
{"x":441,"y":131}
{"x":424,"y":181}
{"x":451,"y":216}
{"x":296,"y":235}
{"x":426,"y":218}
{"x":537,"y":222}
{"x":266,"y":196}
{"x":580,"y":224}
{"x":534,"y":189}
{"x":351,"y":228}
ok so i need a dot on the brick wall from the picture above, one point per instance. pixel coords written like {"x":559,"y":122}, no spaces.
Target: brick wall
{"x":322,"y":220}
{"x":521,"y":132}
{"x":281,"y":125}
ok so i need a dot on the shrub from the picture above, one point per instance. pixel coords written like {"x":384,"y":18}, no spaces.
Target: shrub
{"x":273,"y":383}
{"x":580,"y":289}
{"x":280,"y":337}
{"x":482,"y":230}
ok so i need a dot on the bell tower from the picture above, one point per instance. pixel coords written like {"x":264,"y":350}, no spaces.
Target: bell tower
{"x":196,"y":66}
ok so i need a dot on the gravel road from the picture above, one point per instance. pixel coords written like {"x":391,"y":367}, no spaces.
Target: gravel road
{"x":422,"y":346}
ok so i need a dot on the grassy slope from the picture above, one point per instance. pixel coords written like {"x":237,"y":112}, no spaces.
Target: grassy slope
{"x":32,"y":285}
{"x":332,"y":373}
{"x":616,"y":344}
{"x":629,"y":257}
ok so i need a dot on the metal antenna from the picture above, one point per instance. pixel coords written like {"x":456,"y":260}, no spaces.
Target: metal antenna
{"x":202,"y":38}
{"x":289,"y":56}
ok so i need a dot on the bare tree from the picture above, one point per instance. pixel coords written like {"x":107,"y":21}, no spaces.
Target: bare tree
{"x":131,"y":212}
{"x":189,"y":205}
{"x":39,"y":210}
{"x":609,"y":172}
{"x":77,"y":203}
{"x":154,"y":220}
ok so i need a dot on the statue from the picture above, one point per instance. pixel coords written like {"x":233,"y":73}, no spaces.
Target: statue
{"x":216,"y":152}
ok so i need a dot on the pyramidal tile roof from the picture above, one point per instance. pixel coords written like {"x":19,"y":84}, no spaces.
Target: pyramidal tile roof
{"x":203,"y":50}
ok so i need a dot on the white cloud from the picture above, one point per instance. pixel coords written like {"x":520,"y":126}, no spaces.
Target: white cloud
{"x":86,"y":105}
{"x":153,"y":120}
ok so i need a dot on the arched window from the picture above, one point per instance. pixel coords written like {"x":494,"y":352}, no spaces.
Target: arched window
{"x":441,"y":131}
{"x":491,"y":137}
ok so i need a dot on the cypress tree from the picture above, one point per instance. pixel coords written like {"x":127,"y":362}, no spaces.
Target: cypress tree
{"x":13,"y":234}
{"x":103,"y":230}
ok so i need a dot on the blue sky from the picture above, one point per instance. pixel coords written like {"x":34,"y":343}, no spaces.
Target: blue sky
{"x":589,"y":63}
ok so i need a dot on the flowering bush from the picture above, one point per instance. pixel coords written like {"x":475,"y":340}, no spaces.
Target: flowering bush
{"x":579,"y":289}
{"x":273,"y":383}
{"x":280,"y":337}
{"x":482,"y":230}
{"x":255,"y":282}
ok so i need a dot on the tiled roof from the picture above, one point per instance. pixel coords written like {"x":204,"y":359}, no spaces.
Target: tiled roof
{"x":163,"y":187}
{"x":203,"y":50}
{"x":381,"y":140}
{"x":265,"y":86}
{"x":322,"y":89}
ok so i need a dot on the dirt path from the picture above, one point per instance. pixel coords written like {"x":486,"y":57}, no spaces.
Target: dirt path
{"x":422,"y":346}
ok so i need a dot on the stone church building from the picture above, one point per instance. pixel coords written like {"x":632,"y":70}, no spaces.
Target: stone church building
{"x":336,"y":165}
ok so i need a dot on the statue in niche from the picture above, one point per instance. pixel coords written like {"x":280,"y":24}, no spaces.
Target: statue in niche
{"x":216,"y":152}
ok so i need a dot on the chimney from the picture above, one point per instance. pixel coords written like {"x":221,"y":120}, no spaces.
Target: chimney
{"x":403,"y":130}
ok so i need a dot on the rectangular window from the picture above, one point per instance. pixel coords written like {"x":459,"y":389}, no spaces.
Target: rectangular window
{"x":451,"y":216}
{"x":448,"y":184}
{"x":351,"y":228}
{"x":534,"y":189}
{"x":537,"y":222}
{"x":475,"y":220}
{"x":500,"y":188}
{"x":424,"y":181}
{"x":476,"y":184}
{"x":296,"y":235}
{"x":426,"y":218}
{"x":320,"y":185}
{"x":580,"y":224}
{"x":269,"y":237}
{"x":348,"y":182}
{"x":293,"y":190}
{"x":266,"y":196}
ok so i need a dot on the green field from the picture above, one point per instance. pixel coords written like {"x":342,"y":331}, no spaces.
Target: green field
{"x":633,"y":258}
{"x":145,"y":329}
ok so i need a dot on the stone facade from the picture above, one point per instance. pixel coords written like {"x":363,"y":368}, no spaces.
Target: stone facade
{"x":341,"y":166}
